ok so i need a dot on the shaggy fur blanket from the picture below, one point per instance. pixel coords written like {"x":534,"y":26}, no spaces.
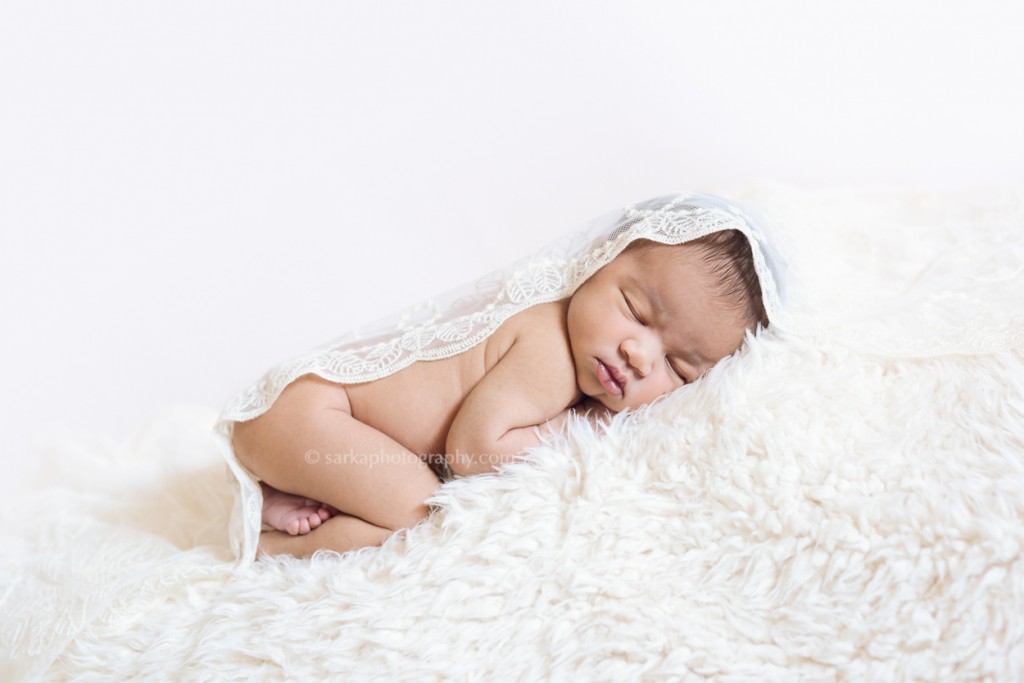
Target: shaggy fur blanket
{"x":804,"y":512}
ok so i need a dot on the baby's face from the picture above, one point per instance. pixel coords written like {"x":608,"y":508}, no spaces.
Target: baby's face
{"x":647,"y":323}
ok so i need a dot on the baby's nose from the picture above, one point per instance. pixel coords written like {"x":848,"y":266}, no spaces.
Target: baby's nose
{"x":639,"y":354}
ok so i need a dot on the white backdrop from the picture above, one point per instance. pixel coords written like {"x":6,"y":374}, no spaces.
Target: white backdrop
{"x":193,"y":191}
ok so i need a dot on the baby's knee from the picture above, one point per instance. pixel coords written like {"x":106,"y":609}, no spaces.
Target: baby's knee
{"x":298,"y":408}
{"x":412,"y":507}
{"x":407,"y":519}
{"x":267,"y":430}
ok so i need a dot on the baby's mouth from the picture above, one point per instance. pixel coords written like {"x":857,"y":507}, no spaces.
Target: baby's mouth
{"x":610,"y":379}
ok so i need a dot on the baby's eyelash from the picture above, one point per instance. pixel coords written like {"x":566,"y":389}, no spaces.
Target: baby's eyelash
{"x":676,"y":370}
{"x":629,"y":305}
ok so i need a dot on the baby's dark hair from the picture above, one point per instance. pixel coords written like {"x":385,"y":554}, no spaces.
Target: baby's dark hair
{"x":730,"y":259}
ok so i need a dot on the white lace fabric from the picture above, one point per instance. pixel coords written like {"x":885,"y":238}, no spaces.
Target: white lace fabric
{"x":972,"y":303}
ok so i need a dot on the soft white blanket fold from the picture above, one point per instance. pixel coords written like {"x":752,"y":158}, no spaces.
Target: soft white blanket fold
{"x":805,"y":512}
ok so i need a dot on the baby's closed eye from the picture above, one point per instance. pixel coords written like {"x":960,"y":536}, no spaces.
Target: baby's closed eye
{"x":676,"y":370}
{"x":632,"y":309}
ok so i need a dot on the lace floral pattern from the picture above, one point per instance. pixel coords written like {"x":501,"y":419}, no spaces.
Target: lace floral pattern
{"x":543,"y":278}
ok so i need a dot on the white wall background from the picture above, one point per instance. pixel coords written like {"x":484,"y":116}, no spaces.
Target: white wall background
{"x":192,"y":191}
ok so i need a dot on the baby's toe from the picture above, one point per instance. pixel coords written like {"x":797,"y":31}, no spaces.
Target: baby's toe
{"x":292,"y":527}
{"x":314,"y":521}
{"x":322,"y":514}
{"x":303,"y":526}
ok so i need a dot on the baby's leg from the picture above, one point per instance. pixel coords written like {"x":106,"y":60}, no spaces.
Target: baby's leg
{"x":341,"y":532}
{"x":309,"y":443}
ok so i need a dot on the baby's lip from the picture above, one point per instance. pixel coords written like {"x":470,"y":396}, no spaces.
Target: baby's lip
{"x":611,"y":378}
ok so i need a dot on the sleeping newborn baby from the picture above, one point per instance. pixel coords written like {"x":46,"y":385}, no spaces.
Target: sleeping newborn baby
{"x":346,"y":466}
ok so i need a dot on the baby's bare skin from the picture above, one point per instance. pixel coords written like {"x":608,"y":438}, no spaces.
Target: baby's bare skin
{"x":644,"y":325}
{"x":409,"y":412}
{"x":432,"y":393}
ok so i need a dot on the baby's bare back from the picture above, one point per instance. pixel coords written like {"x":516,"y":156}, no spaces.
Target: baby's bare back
{"x":417,"y":405}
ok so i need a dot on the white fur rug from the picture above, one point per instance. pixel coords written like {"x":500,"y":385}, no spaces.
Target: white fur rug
{"x":803,"y":513}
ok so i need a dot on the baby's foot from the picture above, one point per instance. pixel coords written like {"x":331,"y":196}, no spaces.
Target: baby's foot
{"x":292,"y":514}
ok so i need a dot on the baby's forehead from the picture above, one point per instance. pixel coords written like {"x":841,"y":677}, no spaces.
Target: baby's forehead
{"x":649,"y":259}
{"x":663,"y":268}
{"x":673,"y":273}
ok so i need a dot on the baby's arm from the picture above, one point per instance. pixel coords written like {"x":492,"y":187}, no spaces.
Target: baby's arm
{"x":533,"y":386}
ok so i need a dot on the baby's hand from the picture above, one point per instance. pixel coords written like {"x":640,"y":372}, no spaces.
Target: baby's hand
{"x":555,"y":424}
{"x":589,"y":409}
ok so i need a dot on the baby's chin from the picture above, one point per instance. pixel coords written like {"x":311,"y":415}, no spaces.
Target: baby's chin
{"x":603,"y":399}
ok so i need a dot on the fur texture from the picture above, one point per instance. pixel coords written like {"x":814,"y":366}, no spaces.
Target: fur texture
{"x":804,"y":512}
{"x":801,"y":513}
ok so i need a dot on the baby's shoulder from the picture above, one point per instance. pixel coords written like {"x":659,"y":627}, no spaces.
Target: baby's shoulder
{"x":541,"y":322}
{"x":541,"y":327}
